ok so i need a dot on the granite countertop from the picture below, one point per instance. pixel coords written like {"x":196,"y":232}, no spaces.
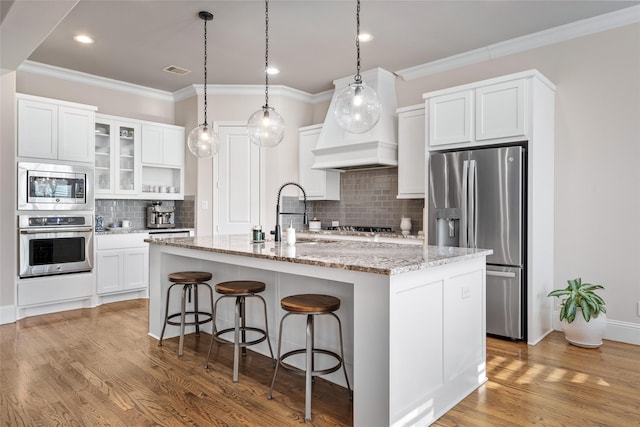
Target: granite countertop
{"x":370,"y":257}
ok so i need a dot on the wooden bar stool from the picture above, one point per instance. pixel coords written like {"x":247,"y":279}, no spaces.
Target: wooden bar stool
{"x":190,"y":280}
{"x":240,"y":290}
{"x":310,"y":305}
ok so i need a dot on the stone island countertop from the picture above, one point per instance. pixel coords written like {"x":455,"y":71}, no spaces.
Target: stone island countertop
{"x":369,"y":257}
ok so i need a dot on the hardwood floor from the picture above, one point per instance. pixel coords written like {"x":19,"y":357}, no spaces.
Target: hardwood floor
{"x":98,"y":367}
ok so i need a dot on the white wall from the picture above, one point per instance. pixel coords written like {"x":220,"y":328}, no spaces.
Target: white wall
{"x":8,"y":230}
{"x":597,"y":153}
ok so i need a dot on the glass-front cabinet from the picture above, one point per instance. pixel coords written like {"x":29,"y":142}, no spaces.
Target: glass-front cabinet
{"x":117,"y":157}
{"x":104,"y":157}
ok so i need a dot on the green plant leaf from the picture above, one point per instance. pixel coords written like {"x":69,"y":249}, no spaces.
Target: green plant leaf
{"x":570,"y":310}
{"x":586,"y":310}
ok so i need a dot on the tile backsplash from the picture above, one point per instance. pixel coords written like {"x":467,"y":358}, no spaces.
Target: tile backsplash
{"x":114,"y":211}
{"x":367,"y":198}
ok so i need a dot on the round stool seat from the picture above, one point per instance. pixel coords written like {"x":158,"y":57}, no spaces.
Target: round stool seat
{"x":310,"y":303}
{"x":238,"y":287}
{"x":190,"y":276}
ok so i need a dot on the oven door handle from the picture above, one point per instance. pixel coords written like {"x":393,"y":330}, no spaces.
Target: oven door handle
{"x":55,"y":230}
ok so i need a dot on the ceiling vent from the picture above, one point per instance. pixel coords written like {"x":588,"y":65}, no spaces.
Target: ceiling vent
{"x":176,"y":70}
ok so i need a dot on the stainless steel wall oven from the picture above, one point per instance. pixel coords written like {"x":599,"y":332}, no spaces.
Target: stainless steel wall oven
{"x":55,"y":244}
{"x":54,"y":187}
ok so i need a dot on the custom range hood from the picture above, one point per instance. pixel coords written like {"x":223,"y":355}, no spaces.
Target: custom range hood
{"x":339,"y":149}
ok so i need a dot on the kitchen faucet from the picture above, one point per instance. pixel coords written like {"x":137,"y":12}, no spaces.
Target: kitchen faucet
{"x":278,"y":232}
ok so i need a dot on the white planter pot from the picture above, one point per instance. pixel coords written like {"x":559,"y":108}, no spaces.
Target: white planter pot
{"x":585,"y":334}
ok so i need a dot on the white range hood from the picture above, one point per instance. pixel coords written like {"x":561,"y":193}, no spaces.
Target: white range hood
{"x":339,"y":149}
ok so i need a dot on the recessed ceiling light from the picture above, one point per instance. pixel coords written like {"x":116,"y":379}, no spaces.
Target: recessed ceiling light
{"x":272,"y":70}
{"x":83,"y":38}
{"x":365,"y":37}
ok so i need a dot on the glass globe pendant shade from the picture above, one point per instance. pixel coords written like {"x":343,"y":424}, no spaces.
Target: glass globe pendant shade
{"x":266,"y":127}
{"x":203,"y":141}
{"x":357,"y":108}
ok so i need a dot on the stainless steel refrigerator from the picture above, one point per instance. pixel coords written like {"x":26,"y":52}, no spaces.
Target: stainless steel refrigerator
{"x":477,"y":199}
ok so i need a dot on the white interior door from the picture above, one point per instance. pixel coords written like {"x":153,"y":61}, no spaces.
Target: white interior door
{"x":238,"y":181}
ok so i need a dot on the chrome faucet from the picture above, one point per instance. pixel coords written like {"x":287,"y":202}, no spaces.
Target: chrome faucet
{"x":278,"y":231}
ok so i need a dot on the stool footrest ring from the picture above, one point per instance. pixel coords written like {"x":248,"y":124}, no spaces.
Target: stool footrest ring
{"x":298,"y":371}
{"x":207,"y":317}
{"x":216,"y":336}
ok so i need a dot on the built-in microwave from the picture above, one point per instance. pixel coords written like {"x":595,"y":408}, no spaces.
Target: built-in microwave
{"x":44,"y":186}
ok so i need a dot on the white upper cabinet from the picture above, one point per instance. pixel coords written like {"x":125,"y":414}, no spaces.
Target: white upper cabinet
{"x":450,"y":118}
{"x":117,"y":157}
{"x":163,"y":145}
{"x":500,"y":110}
{"x":493,"y":111}
{"x":411,"y":152}
{"x":318,"y":184}
{"x":163,"y":149}
{"x":56,"y":130}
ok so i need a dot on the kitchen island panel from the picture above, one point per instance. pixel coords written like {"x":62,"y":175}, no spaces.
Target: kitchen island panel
{"x":393,"y":318}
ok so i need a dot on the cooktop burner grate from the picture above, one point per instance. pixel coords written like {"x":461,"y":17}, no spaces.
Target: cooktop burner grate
{"x":362,"y":228}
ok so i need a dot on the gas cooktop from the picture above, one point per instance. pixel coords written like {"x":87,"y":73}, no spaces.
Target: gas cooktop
{"x":362,"y":228}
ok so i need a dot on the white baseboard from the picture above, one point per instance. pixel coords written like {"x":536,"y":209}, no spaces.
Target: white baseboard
{"x":7,"y":314}
{"x":36,"y":310}
{"x":623,"y":331}
{"x":626,"y":332}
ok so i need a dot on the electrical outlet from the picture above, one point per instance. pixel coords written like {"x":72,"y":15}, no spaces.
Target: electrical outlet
{"x":638,"y":308}
{"x":205,"y":204}
{"x":466,"y":292}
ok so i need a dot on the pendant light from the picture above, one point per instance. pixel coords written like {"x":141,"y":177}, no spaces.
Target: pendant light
{"x":266,"y":127}
{"x":202,"y":140}
{"x":357,"y":108}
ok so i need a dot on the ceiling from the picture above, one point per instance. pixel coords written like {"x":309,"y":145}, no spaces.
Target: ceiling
{"x":312,"y":42}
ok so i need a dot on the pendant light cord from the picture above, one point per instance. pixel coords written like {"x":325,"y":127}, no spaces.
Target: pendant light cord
{"x":266,"y":54}
{"x":358,"y":78}
{"x":205,"y":73}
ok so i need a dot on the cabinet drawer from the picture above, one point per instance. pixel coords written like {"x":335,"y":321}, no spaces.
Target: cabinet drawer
{"x":121,"y":241}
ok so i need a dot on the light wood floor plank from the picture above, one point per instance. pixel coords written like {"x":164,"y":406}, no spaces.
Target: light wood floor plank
{"x":98,"y":367}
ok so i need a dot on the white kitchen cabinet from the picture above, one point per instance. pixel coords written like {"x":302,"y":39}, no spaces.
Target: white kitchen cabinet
{"x":501,"y":110}
{"x":163,"y":150}
{"x":122,"y":263}
{"x":117,"y":157}
{"x":56,"y":130}
{"x":319,"y":184}
{"x":451,"y":118}
{"x":411,"y":152}
{"x":493,"y":111}
{"x":163,"y":145}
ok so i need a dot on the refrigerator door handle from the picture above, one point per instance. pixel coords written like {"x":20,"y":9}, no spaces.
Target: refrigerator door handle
{"x":501,"y":273}
{"x":473,"y":200}
{"x":464,"y":195}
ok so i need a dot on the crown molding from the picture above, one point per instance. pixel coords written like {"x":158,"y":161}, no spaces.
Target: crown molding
{"x":93,"y":80}
{"x":252,"y":90}
{"x":585,"y":27}
{"x":179,"y":95}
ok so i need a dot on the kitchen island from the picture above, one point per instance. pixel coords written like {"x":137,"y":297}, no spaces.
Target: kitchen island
{"x":413,"y":315}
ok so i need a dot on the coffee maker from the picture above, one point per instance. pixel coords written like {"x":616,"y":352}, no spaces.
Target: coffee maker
{"x":159,"y":216}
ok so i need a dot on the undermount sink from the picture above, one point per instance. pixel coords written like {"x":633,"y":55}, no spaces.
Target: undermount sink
{"x":312,"y":241}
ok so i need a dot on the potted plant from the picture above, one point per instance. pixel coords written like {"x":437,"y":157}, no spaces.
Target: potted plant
{"x":582,"y":313}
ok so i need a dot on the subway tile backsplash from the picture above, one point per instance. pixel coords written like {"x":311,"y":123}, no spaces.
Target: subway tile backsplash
{"x":367,"y":198}
{"x":114,"y":211}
